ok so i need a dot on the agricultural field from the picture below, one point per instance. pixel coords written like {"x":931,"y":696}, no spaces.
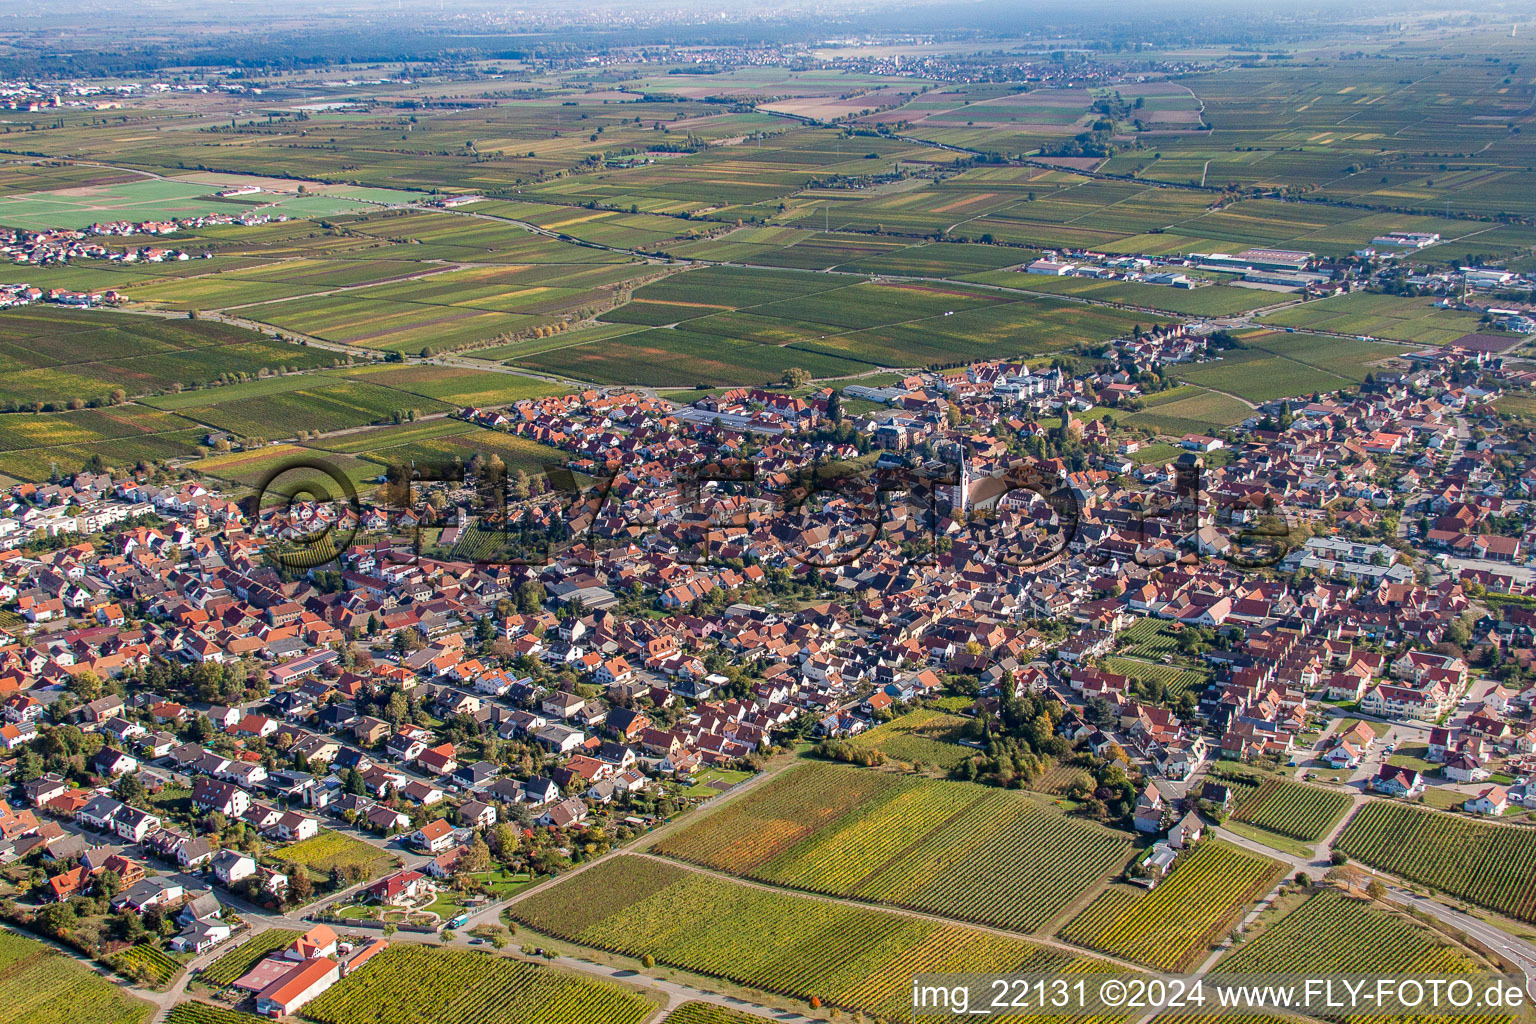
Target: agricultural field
{"x":232,"y":966}
{"x":1172,"y":926}
{"x":1332,"y":933}
{"x":1175,"y":677}
{"x":1284,"y":806}
{"x":852,"y":957}
{"x":146,"y":964}
{"x":909,"y":842}
{"x":324,"y":404}
{"x":33,"y":444}
{"x":414,"y":984}
{"x":919,"y":736}
{"x":1185,"y":410}
{"x":720,"y":326}
{"x":327,"y":850}
{"x":1275,"y":365}
{"x":1491,"y":865}
{"x":458,"y":386}
{"x":709,"y":1013}
{"x":54,"y":355}
{"x":208,"y":1013}
{"x":40,"y":985}
{"x":1207,"y":300}
{"x":1149,"y":638}
{"x":1397,"y":317}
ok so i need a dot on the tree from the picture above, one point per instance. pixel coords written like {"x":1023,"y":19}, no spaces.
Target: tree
{"x":796,"y":377}
{"x":57,"y":918}
{"x":300,"y":888}
{"x":475,"y":858}
{"x":108,"y":884}
{"x":504,"y":840}
{"x":835,"y":407}
{"x":86,"y":685}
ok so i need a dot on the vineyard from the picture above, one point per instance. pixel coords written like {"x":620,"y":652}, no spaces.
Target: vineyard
{"x":234,"y":964}
{"x":921,"y":735}
{"x":853,"y":957}
{"x":1175,"y":677}
{"x":144,"y":963}
{"x":1169,"y":927}
{"x":42,"y":986}
{"x":329,"y":849}
{"x":949,"y":848}
{"x":1294,"y":809}
{"x":1149,"y":638}
{"x":710,"y":1013}
{"x":414,"y":984}
{"x":1334,"y":934}
{"x":1491,"y":865}
{"x":208,"y":1013}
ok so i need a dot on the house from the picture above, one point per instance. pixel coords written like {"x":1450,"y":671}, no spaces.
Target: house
{"x":200,"y":936}
{"x":111,"y":762}
{"x":318,"y":941}
{"x":1148,"y":815}
{"x":438,"y":760}
{"x":477,"y":814}
{"x":149,"y":892}
{"x":1492,"y":800}
{"x":297,"y":986}
{"x":434,"y":837}
{"x":204,"y":906}
{"x":401,"y":887}
{"x":1186,"y":832}
{"x":296,"y":827}
{"x":1395,"y":781}
{"x":568,"y":812}
{"x":41,"y":791}
{"x":231,"y":866}
{"x":1343,"y":755}
{"x":1464,"y":767}
{"x":210,"y":795}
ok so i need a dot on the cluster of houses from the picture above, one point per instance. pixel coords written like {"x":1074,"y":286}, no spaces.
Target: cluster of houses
{"x":650,"y":644}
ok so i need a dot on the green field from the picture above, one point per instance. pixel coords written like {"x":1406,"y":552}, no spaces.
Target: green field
{"x":1379,"y":316}
{"x":919,"y":736}
{"x":856,"y":958}
{"x":328,"y":849}
{"x":1276,"y":804}
{"x":946,"y":848}
{"x":1483,"y":863}
{"x":1334,"y":934}
{"x":1171,"y":927}
{"x":40,"y":985}
{"x":1276,"y":365}
{"x":54,"y":355}
{"x":414,"y":984}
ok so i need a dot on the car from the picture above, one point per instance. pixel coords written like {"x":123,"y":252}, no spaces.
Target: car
{"x":477,"y":942}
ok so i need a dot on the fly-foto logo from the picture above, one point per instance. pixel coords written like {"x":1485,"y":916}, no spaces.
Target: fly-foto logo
{"x":823,"y":516}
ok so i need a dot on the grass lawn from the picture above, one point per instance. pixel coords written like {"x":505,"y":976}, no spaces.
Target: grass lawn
{"x":447,"y":905}
{"x":704,"y":784}
{"x":1445,"y":799}
{"x":1412,"y":756}
{"x":503,"y":883}
{"x":1271,"y":839}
